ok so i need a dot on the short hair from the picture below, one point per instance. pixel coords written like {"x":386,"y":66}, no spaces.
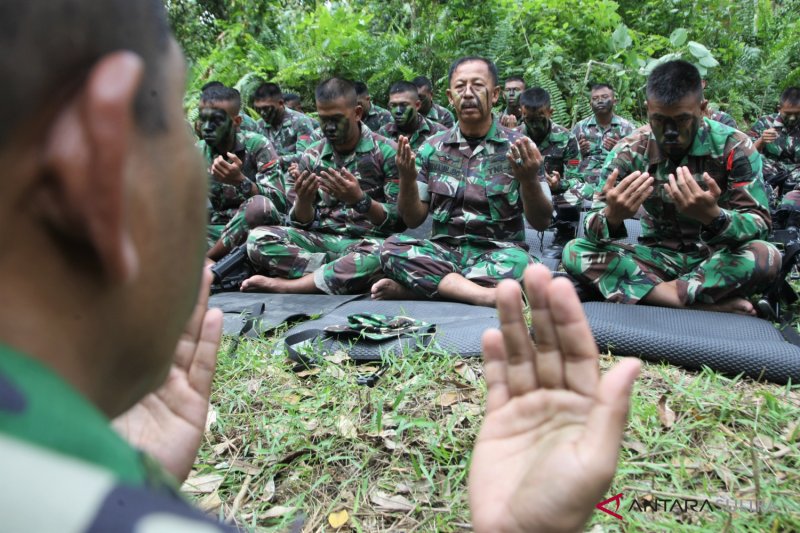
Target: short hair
{"x":220,"y":93}
{"x":422,"y":81}
{"x":790,"y":95}
{"x":267,"y":91}
{"x":335,"y":88}
{"x":290,"y":97}
{"x":534,"y":98}
{"x":673,"y":81}
{"x":361,"y":88}
{"x":212,"y":83}
{"x":50,"y":47}
{"x":468,"y":59}
{"x":404,"y":87}
{"x":597,"y":86}
{"x":516,"y":78}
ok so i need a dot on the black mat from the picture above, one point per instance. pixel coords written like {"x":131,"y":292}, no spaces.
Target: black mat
{"x":459,"y":326}
{"x":730,"y":344}
{"x":269,"y":311}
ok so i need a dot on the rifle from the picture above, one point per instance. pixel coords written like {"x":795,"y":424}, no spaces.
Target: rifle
{"x":230,"y":271}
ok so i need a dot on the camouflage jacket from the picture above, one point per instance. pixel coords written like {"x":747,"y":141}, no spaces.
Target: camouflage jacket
{"x":373,"y":163}
{"x":589,"y":129}
{"x":472,"y":194}
{"x":285,"y":136}
{"x":425,"y":128}
{"x":441,"y":116}
{"x":260,"y":164}
{"x":729,"y":158}
{"x":248,"y":124}
{"x":786,"y":148}
{"x":377,"y":117}
{"x":561,"y":154}
{"x":723,"y":118}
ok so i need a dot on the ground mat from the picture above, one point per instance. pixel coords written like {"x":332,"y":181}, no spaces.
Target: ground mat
{"x":730,"y":344}
{"x":253,"y":313}
{"x":458,"y":327}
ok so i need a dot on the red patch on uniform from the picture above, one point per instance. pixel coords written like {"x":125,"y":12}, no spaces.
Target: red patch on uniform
{"x":739,"y":184}
{"x":574,"y":162}
{"x":729,"y":166}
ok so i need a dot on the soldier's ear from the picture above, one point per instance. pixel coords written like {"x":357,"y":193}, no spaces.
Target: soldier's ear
{"x":703,"y":106}
{"x":82,"y":194}
{"x":359,"y":112}
{"x":417,"y":105}
{"x":495,"y":95}
{"x":237,"y":121}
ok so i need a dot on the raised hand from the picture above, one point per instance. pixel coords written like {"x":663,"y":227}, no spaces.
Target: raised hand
{"x":609,"y":142}
{"x":342,"y":185}
{"x":227,"y":172}
{"x":548,"y":447}
{"x":169,"y":423}
{"x":306,"y":186}
{"x":584,"y":145}
{"x":690,"y":199}
{"x":625,"y":198}
{"x":509,"y":121}
{"x":769,"y":136}
{"x":526,"y":160}
{"x":553,"y":179}
{"x":405,"y":160}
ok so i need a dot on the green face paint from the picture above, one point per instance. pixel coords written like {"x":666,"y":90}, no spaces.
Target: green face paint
{"x":538,"y":128}
{"x":336,"y":129}
{"x":216,"y":127}
{"x":267,"y":112}
{"x":404,"y":115}
{"x":512,"y":95}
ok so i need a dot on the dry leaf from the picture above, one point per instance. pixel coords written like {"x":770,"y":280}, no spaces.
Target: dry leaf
{"x":203,"y":484}
{"x":244,"y":466}
{"x":292,"y":399}
{"x":277,"y":511}
{"x":268,"y":492}
{"x":210,"y":503}
{"x":402,"y":488}
{"x":338,"y":357}
{"x":665,"y":414}
{"x":346,"y":428}
{"x":384,"y":502}
{"x":310,"y":372}
{"x":335,"y":372}
{"x":792,"y":432}
{"x":211,"y":417}
{"x":466,"y":372}
{"x":447,"y":399}
{"x":765,"y":442}
{"x":338,"y":519}
{"x":634,"y":445}
{"x":253,"y":386}
{"x":407,"y":385}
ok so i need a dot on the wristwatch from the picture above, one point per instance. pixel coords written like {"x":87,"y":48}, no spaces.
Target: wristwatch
{"x":716,"y":225}
{"x":362,"y":206}
{"x":245,"y":186}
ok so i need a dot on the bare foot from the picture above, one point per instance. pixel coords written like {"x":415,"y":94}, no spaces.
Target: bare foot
{"x":389,"y":289}
{"x":303,"y":285}
{"x":456,"y":287}
{"x":260,"y":284}
{"x":740,"y":306}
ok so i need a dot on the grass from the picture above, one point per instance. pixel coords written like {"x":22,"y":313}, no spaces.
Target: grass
{"x":284,"y":450}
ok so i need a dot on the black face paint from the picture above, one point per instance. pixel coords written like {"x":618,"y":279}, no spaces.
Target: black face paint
{"x":216,"y":127}
{"x":335,"y":129}
{"x":404,"y":115}
{"x":268,"y":113}
{"x":675,"y":135}
{"x":538,"y":128}
{"x":601,"y":104}
{"x":790,"y":120}
{"x":426,"y":103}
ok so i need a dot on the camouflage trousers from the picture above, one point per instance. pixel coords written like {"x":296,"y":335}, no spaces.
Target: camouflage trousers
{"x":626,"y":273}
{"x":254,"y":212}
{"x":421,"y":264}
{"x":340,"y":265}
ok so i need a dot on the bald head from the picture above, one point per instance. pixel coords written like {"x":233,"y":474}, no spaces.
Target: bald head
{"x":50,"y":45}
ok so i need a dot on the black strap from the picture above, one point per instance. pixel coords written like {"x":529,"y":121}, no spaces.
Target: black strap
{"x":303,"y":362}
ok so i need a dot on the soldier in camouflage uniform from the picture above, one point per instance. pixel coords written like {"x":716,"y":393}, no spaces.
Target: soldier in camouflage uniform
{"x":598,"y":134}
{"x":701,"y":187}
{"x":560,"y":170}
{"x":373,"y":115}
{"x":428,"y":108}
{"x":281,"y":125}
{"x":477,"y":180}
{"x":407,"y":121}
{"x":240,"y":164}
{"x":344,"y":192}
{"x":511,"y":116}
{"x":777,"y":137}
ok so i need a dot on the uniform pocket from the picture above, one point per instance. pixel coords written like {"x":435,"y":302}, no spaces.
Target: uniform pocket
{"x":502,"y":193}
{"x":443,"y":190}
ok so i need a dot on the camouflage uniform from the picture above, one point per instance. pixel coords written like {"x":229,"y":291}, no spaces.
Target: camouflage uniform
{"x":592,"y":163}
{"x":248,"y":124}
{"x":478,"y":219}
{"x":710,"y":266}
{"x":723,"y":118}
{"x":425,"y":128}
{"x":286,"y":135}
{"x":339,"y":246}
{"x":96,"y":480}
{"x":377,"y":117}
{"x":781,"y":157}
{"x":259,"y":165}
{"x":441,"y":115}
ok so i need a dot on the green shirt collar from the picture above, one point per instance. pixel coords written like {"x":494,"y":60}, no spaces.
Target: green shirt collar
{"x":365,"y":144}
{"x":494,"y":134}
{"x":39,"y":407}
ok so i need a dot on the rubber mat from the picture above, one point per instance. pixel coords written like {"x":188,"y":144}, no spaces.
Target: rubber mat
{"x":728,"y":343}
{"x":459,"y":327}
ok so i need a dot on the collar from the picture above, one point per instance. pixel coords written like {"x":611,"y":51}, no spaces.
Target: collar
{"x":495,"y":135}
{"x":592,"y":120}
{"x":701,"y":145}
{"x":38,"y":406}
{"x":365,"y":144}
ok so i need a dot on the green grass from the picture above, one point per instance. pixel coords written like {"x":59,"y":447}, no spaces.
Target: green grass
{"x":292,"y":448}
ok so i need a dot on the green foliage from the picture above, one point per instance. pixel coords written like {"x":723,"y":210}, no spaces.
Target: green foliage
{"x":747,"y":49}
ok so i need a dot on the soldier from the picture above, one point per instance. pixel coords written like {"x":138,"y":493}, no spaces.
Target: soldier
{"x":599,"y":133}
{"x":240,"y":164}
{"x":560,"y":170}
{"x":477,"y":180}
{"x":705,"y":206}
{"x":717,"y":114}
{"x":511,"y":117}
{"x":344,"y":194}
{"x":407,"y":121}
{"x":281,"y":125}
{"x":373,"y":115}
{"x":430,"y":109}
{"x":777,"y":137}
{"x":293,"y":102}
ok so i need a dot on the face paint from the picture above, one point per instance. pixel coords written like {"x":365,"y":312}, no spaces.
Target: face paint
{"x":426,"y":103}
{"x":216,"y":127}
{"x":538,"y":128}
{"x":335,"y":129}
{"x":268,"y":113}
{"x":675,"y":135}
{"x":404,"y":115}
{"x":512,"y":95}
{"x":790,"y":120}
{"x":601,"y":103}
